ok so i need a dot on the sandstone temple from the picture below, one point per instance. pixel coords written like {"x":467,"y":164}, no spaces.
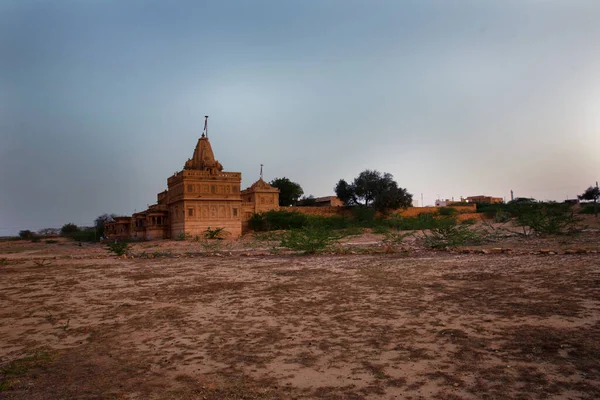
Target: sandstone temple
{"x":199,"y":197}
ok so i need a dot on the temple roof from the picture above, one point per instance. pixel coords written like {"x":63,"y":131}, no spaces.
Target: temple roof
{"x":262,"y":185}
{"x":203,"y":158}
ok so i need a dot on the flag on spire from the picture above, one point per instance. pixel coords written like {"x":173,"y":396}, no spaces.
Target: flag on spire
{"x":205,"y":130}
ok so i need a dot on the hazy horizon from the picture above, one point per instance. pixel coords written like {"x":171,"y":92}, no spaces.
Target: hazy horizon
{"x":100,"y":102}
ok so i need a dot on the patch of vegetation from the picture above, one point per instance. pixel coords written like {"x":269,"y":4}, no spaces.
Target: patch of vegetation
{"x":42,"y":263}
{"x":118,"y":247}
{"x":270,"y":239}
{"x":392,"y":240}
{"x":26,"y":234}
{"x":450,"y":234}
{"x":586,"y":209}
{"x":309,"y":240}
{"x":547,"y":219}
{"x":217,"y":233}
{"x":183,"y":236}
{"x":10,"y":373}
{"x":51,"y":241}
{"x":447,"y":211}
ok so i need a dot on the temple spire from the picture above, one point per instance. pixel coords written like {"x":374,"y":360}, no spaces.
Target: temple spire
{"x":205,"y":130}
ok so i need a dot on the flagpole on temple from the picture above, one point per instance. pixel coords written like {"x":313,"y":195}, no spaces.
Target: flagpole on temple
{"x":206,"y":125}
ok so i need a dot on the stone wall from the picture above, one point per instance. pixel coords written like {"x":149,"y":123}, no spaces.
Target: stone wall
{"x":409,"y":212}
{"x":318,"y":210}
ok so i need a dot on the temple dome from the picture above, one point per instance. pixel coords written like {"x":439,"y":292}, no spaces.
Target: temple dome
{"x":203,"y":158}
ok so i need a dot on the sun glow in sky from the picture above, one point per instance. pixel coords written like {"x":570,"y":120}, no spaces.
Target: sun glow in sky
{"x":101,"y":101}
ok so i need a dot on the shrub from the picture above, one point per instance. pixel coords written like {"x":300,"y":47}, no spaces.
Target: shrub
{"x":119,"y":248}
{"x":419,"y":222}
{"x":68,"y":229}
{"x":84,"y":235}
{"x":363,"y":214}
{"x":182,"y":236}
{"x":449,"y":233}
{"x":276,"y":220}
{"x":26,"y":234}
{"x":547,"y":219}
{"x":217,"y":233}
{"x":447,"y":211}
{"x":51,"y":241}
{"x":587,"y":209}
{"x":211,"y":245}
{"x":309,"y":240}
{"x":501,"y":216}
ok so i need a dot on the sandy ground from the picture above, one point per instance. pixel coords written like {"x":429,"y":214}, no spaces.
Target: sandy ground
{"x":423,"y":324}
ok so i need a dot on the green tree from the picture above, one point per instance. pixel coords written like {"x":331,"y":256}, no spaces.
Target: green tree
{"x":375,"y":189}
{"x":308,"y":200}
{"x":26,"y":234}
{"x":592,"y":194}
{"x":99,"y":223}
{"x":69,"y":229}
{"x":289,"y":192}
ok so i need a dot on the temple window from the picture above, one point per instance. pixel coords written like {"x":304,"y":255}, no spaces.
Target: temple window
{"x":190,"y":212}
{"x":235,"y":212}
{"x":190,"y":188}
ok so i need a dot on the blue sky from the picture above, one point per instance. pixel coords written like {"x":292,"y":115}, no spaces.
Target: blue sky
{"x":101,"y":101}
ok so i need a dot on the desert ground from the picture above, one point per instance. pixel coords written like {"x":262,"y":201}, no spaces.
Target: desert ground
{"x":516,"y":319}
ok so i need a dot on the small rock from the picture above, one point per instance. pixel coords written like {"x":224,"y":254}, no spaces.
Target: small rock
{"x":496,"y":250}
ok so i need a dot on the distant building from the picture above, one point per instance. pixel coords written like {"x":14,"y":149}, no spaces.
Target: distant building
{"x":328,"y":201}
{"x":199,"y":197}
{"x":485,"y":199}
{"x":442,"y":203}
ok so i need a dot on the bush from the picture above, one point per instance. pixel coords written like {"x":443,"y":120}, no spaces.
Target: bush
{"x":276,"y":220}
{"x":447,"y":211}
{"x":183,"y":236}
{"x":547,"y":219}
{"x":419,"y":222}
{"x":84,"y":235}
{"x":363,"y":214}
{"x":309,"y":240}
{"x":68,"y":229}
{"x":119,"y":248}
{"x":587,"y":209}
{"x":217,"y":233}
{"x":449,"y":233}
{"x":501,"y":216}
{"x":26,"y":234}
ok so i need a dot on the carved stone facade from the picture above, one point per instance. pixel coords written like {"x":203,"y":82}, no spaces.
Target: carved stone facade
{"x":199,"y":197}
